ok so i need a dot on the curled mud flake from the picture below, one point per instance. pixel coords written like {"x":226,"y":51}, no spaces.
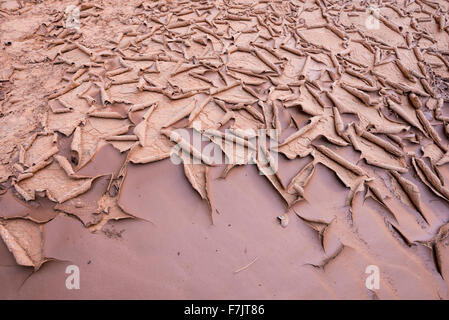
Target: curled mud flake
{"x":241,"y":102}
{"x":294,"y":51}
{"x":215,"y":91}
{"x":58,"y":106}
{"x":316,"y":96}
{"x":430,"y":130}
{"x":60,"y":92}
{"x":317,"y":225}
{"x":199,"y":177}
{"x":24,"y":176}
{"x":28,"y":196}
{"x":354,"y":190}
{"x":273,"y":179}
{"x":141,"y":106}
{"x":414,"y":99}
{"x":378,"y":191}
{"x":146,"y":158}
{"x":427,"y":87}
{"x":299,"y":182}
{"x":186,"y":146}
{"x":141,"y":129}
{"x":412,"y":192}
{"x":405,"y":72}
{"x":339,"y":124}
{"x":196,"y":110}
{"x":182,"y":113}
{"x":85,"y":207}
{"x":404,"y":115}
{"x":230,"y":137}
{"x":304,"y":68}
{"x":196,"y":174}
{"x":250,"y":91}
{"x":444,"y":159}
{"x":106,"y":115}
{"x":342,"y":108}
{"x":226,"y":170}
{"x":385,"y":165}
{"x":267,"y":114}
{"x":87,"y":214}
{"x":341,"y":161}
{"x":65,"y":164}
{"x":117,"y":72}
{"x":75,"y":146}
{"x":264,"y":153}
{"x":112,"y":212}
{"x":266,"y":60}
{"x":353,"y":138}
{"x":276,"y":120}
{"x":439,"y":246}
{"x":387,"y":146}
{"x":313,"y":123}
{"x":338,"y":32}
{"x":228,"y":116}
{"x":360,"y":76}
{"x":254,"y":112}
{"x":24,"y":240}
{"x":125,"y":137}
{"x":365,"y":98}
{"x":76,"y":191}
{"x":429,"y":178}
{"x":46,"y":155}
{"x":38,"y":166}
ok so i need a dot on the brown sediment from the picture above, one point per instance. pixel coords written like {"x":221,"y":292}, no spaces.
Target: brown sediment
{"x":356,"y":118}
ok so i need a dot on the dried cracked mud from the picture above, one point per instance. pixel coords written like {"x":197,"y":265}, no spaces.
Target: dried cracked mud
{"x":354,"y":96}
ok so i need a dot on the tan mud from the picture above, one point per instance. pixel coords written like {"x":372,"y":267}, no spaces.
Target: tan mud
{"x":356,"y":99}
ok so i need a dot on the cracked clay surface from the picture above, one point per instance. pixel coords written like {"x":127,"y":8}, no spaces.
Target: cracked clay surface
{"x":352,"y":96}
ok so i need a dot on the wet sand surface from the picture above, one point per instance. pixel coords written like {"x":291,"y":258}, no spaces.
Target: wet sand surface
{"x":324,"y":149}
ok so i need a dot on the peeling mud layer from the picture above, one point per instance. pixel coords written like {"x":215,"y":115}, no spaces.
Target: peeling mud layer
{"x":355,"y":93}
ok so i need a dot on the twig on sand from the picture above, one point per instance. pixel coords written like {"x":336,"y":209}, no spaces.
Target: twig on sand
{"x":247,"y":266}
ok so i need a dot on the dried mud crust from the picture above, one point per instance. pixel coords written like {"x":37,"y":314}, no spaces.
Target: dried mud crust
{"x":356,"y":92}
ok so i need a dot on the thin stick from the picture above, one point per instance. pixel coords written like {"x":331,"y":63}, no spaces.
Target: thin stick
{"x":247,"y":266}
